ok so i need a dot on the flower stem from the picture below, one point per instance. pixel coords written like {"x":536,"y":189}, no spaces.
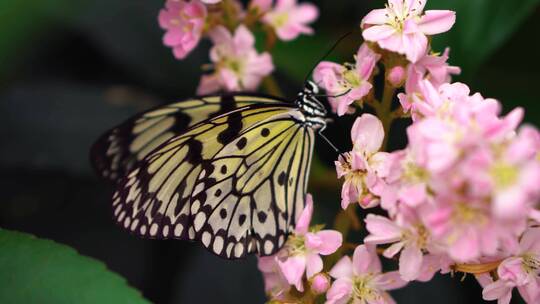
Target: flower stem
{"x":477,"y":268}
{"x":229,"y":17}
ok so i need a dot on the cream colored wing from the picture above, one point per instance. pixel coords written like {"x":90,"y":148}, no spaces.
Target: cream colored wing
{"x":236,"y":182}
{"x":118,"y":150}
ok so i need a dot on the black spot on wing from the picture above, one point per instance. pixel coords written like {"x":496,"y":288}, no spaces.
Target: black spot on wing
{"x":234,"y":126}
{"x":242,"y":219}
{"x":182,"y":122}
{"x":241,"y":144}
{"x":281,"y":178}
{"x":262,"y":216}
{"x":194,"y":155}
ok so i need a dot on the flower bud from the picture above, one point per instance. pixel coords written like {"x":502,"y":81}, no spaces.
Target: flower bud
{"x":320,"y":283}
{"x":396,"y":76}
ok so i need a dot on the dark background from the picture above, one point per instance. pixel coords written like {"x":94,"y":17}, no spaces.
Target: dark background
{"x":69,"y":70}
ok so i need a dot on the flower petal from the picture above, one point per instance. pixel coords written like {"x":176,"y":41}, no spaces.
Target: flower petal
{"x":293,"y":269}
{"x":410,"y":262}
{"x":331,"y":241}
{"x":391,"y":280}
{"x":382,"y":230}
{"x":367,"y":133}
{"x":342,"y":269}
{"x":340,"y":292}
{"x":365,"y":260}
{"x":378,"y":32}
{"x":302,"y":225}
{"x":314,"y":265}
{"x":497,"y":290}
{"x":377,"y":16}
{"x":437,"y":21}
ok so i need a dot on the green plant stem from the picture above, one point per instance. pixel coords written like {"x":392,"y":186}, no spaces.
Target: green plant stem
{"x":229,"y":14}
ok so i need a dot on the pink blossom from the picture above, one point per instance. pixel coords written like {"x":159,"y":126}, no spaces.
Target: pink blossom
{"x":361,"y":280}
{"x":453,"y":122}
{"x":467,"y":229}
{"x":402,"y":27}
{"x":237,"y":64}
{"x":184,"y":23}
{"x":363,"y":168}
{"x":275,"y":284}
{"x":515,"y":176}
{"x":350,"y":81}
{"x":431,"y":67}
{"x":290,"y":19}
{"x":303,"y":250}
{"x":521,"y":270}
{"x":411,"y":238}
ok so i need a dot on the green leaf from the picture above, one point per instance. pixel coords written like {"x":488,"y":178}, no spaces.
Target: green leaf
{"x":22,"y":24}
{"x":41,"y":271}
{"x":482,"y":26}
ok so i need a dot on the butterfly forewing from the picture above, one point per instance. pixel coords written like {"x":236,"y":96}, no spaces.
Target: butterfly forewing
{"x":118,"y":150}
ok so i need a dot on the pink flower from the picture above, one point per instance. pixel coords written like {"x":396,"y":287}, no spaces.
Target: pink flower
{"x":184,"y":23}
{"x":450,"y":122}
{"x":290,"y":19}
{"x":363,"y":168}
{"x":401,"y":27}
{"x":361,"y":280}
{"x":467,"y":229}
{"x":430,"y":67}
{"x":515,"y":176}
{"x":275,"y":284}
{"x":350,"y":81}
{"x":237,"y":64}
{"x":303,"y":250}
{"x":521,"y":271}
{"x":411,"y":239}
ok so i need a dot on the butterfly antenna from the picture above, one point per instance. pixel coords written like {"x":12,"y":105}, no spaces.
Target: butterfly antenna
{"x":326,"y":54}
{"x":329,"y":143}
{"x":334,"y":96}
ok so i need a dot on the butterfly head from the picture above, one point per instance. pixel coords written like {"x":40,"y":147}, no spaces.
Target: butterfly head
{"x":312,"y":108}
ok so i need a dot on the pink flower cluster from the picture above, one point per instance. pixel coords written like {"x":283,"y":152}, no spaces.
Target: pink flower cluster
{"x":236,"y":64}
{"x":300,"y":259}
{"x":465,"y":190}
{"x":402,"y":27}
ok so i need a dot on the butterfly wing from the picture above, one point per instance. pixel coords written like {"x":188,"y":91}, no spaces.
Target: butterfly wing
{"x":236,"y":182}
{"x":117,"y":151}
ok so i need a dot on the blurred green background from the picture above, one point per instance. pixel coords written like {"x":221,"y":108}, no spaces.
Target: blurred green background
{"x":69,"y":70}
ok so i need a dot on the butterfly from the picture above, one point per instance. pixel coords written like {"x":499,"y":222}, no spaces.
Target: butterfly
{"x":229,"y":171}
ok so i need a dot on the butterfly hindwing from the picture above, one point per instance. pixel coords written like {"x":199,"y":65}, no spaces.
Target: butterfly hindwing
{"x":117,"y":151}
{"x":248,"y":198}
